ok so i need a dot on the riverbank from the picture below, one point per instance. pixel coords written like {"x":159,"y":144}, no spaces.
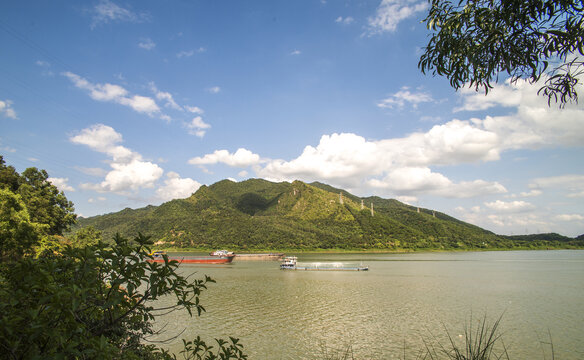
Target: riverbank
{"x":362,"y":251}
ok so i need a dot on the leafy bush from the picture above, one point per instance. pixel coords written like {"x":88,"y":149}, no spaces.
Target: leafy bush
{"x":96,"y":302}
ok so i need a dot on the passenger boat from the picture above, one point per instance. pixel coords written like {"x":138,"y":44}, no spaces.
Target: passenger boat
{"x":290,"y":263}
{"x":221,"y":253}
{"x":159,"y":258}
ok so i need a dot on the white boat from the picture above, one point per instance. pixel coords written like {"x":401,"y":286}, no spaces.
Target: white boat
{"x":222,"y":253}
{"x":291,"y":263}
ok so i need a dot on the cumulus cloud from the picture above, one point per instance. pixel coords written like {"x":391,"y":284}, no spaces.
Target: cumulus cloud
{"x":404,"y":95}
{"x":176,"y":187}
{"x":296,"y":52}
{"x":107,"y":11}
{"x":117,"y":94}
{"x":411,"y":165}
{"x":424,"y":181}
{"x":214,"y":89}
{"x":61,"y":183}
{"x":241,"y":158}
{"x":390,"y":13}
{"x":510,"y":206}
{"x":400,"y":166}
{"x":129,"y":172}
{"x":7,"y":110}
{"x":531,"y":124}
{"x":197,"y":126}
{"x":349,"y":159}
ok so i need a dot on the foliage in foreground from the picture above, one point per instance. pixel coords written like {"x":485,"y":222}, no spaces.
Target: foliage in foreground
{"x":96,"y":302}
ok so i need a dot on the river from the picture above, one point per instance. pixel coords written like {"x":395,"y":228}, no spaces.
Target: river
{"x":404,"y":302}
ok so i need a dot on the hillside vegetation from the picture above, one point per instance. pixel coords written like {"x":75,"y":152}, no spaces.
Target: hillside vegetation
{"x":258,"y":215}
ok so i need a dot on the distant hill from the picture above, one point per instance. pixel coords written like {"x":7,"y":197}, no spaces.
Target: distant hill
{"x":258,"y":214}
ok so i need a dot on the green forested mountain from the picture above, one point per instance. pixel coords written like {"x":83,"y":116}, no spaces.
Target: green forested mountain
{"x":258,"y":214}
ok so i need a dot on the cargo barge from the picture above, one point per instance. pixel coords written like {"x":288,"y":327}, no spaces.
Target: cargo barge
{"x":290,"y":263}
{"x":158,"y":257}
{"x":259,"y":257}
{"x":249,"y":257}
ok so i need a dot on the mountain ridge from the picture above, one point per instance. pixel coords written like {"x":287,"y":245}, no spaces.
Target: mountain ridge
{"x":259,"y":214}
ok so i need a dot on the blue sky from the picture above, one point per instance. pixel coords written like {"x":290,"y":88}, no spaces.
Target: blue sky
{"x":130,"y":103}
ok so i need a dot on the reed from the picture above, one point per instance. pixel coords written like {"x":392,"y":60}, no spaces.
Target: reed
{"x":483,"y":342}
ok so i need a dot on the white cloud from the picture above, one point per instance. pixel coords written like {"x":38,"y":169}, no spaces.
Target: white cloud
{"x":107,"y":11}
{"x":404,"y":95}
{"x":61,"y":183}
{"x":194,"y":110}
{"x":401,"y":166}
{"x":241,"y":158}
{"x":185,"y":53}
{"x":532,"y":193}
{"x":197,"y":126}
{"x":176,"y":187}
{"x":141,"y":104}
{"x":569,"y":217}
{"x":407,"y":199}
{"x":129,"y":170}
{"x":345,"y":21}
{"x":296,"y":52}
{"x":411,"y":165}
{"x":507,"y":95}
{"x":7,"y":110}
{"x":117,"y":94}
{"x":510,"y":207}
{"x":391,"y":12}
{"x":533,"y":124}
{"x":147,"y":44}
{"x":166,"y":97}
{"x":214,"y":89}
{"x":572,"y":183}
{"x":423,"y":181}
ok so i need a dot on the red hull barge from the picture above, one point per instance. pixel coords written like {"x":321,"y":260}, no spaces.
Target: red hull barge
{"x":197,"y":259}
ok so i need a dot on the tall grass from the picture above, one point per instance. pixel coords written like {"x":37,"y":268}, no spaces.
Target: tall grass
{"x":481,"y":343}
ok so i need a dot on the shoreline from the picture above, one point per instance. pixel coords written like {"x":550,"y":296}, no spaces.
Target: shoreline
{"x":363,"y":251}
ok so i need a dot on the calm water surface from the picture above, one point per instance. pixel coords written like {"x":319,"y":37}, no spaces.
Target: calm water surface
{"x":403,"y":300}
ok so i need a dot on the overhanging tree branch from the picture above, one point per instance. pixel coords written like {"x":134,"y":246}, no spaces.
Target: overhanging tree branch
{"x":474,"y":41}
